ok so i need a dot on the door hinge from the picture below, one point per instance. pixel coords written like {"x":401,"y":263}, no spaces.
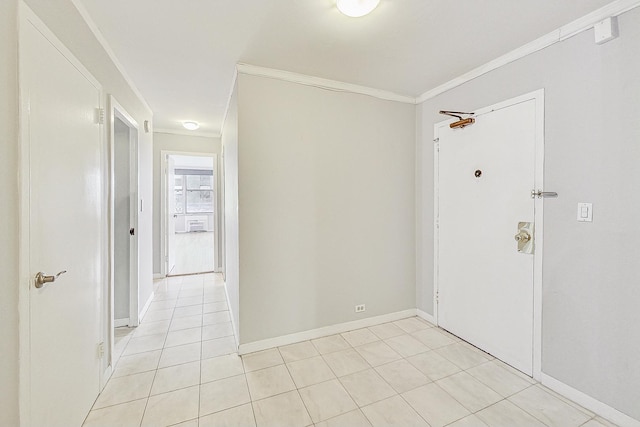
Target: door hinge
{"x":101,"y":350}
{"x":437,"y":296}
{"x":436,"y":140}
{"x":100,"y":115}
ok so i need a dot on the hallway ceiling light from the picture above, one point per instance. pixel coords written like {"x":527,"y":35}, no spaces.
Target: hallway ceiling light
{"x":356,"y":8}
{"x":190,"y":125}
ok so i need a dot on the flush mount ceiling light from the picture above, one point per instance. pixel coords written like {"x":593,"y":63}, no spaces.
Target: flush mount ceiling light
{"x":190,"y":125}
{"x":356,"y":8}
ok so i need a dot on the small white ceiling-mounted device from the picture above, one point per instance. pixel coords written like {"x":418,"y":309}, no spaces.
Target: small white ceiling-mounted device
{"x":356,"y":8}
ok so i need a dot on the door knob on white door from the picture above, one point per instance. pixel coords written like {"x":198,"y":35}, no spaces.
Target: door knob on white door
{"x":524,"y":237}
{"x":41,"y":279}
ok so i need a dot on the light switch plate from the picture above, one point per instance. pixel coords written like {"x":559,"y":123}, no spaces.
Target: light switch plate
{"x":585,"y":212}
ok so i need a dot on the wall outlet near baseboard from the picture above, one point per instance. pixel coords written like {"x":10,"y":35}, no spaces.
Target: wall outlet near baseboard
{"x":360,"y":308}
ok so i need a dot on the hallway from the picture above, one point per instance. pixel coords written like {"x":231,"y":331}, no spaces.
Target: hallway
{"x":180,"y":368}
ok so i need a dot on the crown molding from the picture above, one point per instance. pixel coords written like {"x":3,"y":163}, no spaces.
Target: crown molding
{"x":105,"y":45}
{"x":187,"y":133}
{"x":577,"y":26}
{"x":321,"y":83}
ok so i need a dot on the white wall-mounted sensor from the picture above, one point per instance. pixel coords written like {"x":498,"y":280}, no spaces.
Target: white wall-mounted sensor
{"x":606,"y":30}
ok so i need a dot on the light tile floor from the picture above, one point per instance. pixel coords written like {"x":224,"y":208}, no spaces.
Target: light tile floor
{"x":179,"y":368}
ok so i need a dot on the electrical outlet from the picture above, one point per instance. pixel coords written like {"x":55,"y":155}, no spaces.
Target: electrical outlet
{"x":360,"y":308}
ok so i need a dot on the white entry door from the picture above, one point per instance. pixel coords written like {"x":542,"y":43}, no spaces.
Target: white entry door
{"x":63,"y":203}
{"x":485,"y":287}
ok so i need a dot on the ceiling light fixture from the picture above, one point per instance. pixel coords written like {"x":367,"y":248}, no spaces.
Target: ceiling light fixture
{"x":190,"y":125}
{"x":356,"y":8}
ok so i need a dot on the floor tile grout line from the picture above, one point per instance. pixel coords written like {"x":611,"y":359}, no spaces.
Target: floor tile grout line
{"x":297,"y":388}
{"x":414,"y":409}
{"x":533,"y":415}
{"x":246,"y":381}
{"x":200,"y":361}
{"x":158,"y":367}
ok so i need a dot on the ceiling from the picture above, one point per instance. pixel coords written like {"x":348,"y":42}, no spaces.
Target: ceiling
{"x":181,"y":54}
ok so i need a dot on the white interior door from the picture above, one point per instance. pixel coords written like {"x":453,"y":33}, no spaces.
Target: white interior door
{"x":171,"y":214}
{"x":485,"y":286}
{"x":65,"y":208}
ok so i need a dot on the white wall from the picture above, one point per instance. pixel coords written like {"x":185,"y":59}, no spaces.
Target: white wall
{"x":182,"y":143}
{"x":591,"y":320}
{"x":327,"y":207}
{"x":9,"y":213}
{"x":230,"y":193}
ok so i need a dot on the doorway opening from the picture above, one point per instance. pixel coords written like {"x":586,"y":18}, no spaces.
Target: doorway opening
{"x":123,"y":200}
{"x":190,"y":213}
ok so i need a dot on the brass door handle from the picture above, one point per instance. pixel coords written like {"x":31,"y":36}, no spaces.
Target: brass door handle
{"x":522,"y":236}
{"x":41,"y":279}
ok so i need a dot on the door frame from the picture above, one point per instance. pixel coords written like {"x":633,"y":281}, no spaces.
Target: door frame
{"x":538,"y":97}
{"x":116,"y":110}
{"x":27,"y":17}
{"x":164,"y":207}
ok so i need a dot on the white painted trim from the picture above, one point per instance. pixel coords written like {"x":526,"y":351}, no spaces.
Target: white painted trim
{"x":538,"y":97}
{"x":115,"y":109}
{"x":569,"y":30}
{"x":425,"y":316}
{"x":25,"y":17}
{"x":436,"y":218}
{"x":321,"y":83}
{"x":236,"y":330}
{"x":119,"y":323}
{"x":107,"y":48}
{"x":234,"y":82}
{"x":158,"y":276}
{"x":538,"y":218}
{"x":323,"y":332}
{"x":146,"y":306}
{"x":187,"y":133}
{"x":589,"y":402}
{"x":106,"y":376}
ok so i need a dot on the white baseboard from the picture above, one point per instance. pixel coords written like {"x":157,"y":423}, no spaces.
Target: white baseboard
{"x":119,"y":323}
{"x":106,"y":376}
{"x":589,"y":402}
{"x":146,"y":306}
{"x":323,"y":332}
{"x":233,"y":322}
{"x":158,"y":276}
{"x":426,"y":316}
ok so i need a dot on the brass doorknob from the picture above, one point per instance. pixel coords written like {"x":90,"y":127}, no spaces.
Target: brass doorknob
{"x":522,"y":236}
{"x":41,"y":278}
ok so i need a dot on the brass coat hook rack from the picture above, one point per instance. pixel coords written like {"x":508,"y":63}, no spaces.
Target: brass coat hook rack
{"x":462,"y":122}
